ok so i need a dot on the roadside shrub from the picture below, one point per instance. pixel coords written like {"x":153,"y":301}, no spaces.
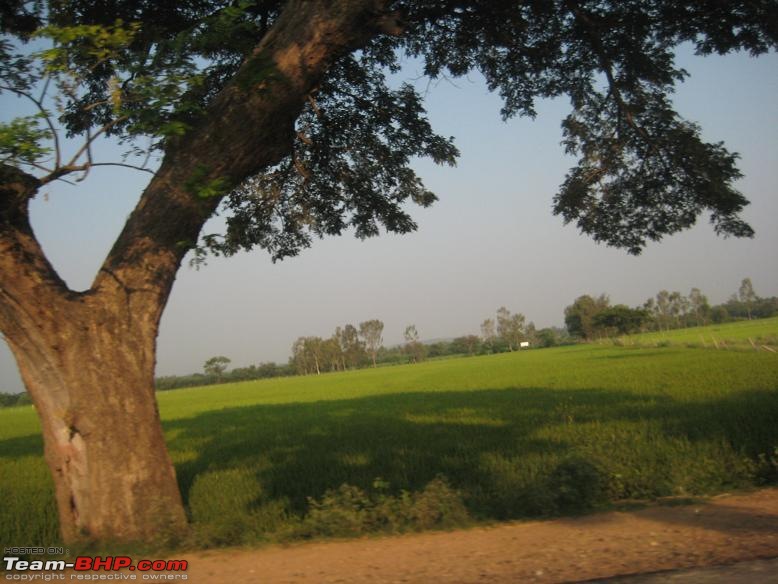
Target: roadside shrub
{"x":577,"y":485}
{"x":767,"y":467}
{"x":349,"y":511}
{"x":438,"y":506}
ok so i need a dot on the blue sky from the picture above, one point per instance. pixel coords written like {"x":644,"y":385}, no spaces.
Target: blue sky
{"x":490,"y":241}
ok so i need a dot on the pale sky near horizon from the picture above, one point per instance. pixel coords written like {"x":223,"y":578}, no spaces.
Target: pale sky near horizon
{"x":489,"y":241}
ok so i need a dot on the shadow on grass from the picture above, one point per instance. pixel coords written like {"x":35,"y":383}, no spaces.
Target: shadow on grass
{"x":513,"y":452}
{"x":19,"y":446}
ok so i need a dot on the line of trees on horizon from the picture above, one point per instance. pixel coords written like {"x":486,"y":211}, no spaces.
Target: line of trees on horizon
{"x":349,"y":347}
{"x":587,"y":318}
{"x":594,"y":317}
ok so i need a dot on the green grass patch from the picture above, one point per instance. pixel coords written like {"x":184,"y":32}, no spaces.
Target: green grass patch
{"x":728,"y":335}
{"x":525,"y":434}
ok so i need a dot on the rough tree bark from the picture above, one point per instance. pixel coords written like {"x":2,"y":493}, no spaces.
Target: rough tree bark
{"x":87,"y":358}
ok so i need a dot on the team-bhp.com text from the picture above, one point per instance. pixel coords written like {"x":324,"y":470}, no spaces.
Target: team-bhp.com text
{"x":109,"y":568}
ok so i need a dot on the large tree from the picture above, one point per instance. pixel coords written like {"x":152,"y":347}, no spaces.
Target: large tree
{"x":279,"y":113}
{"x":510,"y":327}
{"x":352,"y":350}
{"x":371,"y":332}
{"x":216,"y":366}
{"x":746,"y":295}
{"x":699,"y":306}
{"x":488,"y":333}
{"x":580,"y":315}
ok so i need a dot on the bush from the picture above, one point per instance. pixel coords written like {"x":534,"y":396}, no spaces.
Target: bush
{"x":345,"y":511}
{"x":578,"y":485}
{"x":349,"y":511}
{"x":227,"y":507}
{"x":438,"y":506}
{"x":767,"y":467}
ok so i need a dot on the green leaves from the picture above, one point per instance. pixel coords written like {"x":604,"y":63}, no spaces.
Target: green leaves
{"x":256,"y":71}
{"x":78,"y":50}
{"x":96,"y":79}
{"x":644,"y":173}
{"x":349,"y":168}
{"x":152,"y":69}
{"x":203,"y":187}
{"x":22,"y":141}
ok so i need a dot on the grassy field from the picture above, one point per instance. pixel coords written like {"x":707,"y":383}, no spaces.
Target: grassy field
{"x":527,"y":434}
{"x":738,"y":334}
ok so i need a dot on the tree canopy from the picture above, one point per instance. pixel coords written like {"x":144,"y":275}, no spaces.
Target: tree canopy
{"x":147,"y":69}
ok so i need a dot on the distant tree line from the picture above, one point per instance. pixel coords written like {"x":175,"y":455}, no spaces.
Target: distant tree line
{"x":347,"y":348}
{"x":591,"y":317}
{"x":587,"y":318}
{"x":8,"y":400}
{"x":261,"y":371}
{"x":507,"y":331}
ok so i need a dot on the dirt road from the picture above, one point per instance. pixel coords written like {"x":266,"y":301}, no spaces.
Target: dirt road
{"x":722,"y":530}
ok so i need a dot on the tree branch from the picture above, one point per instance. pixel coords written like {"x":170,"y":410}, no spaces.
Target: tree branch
{"x":39,"y":104}
{"x":607,"y":67}
{"x":23,"y":265}
{"x":124,"y":165}
{"x":249,"y":126}
{"x":91,"y":138}
{"x":65,"y":170}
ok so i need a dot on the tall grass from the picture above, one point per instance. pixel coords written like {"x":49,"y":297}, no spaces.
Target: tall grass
{"x":534,"y":433}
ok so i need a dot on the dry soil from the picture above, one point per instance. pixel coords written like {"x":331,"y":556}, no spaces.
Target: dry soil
{"x":719,"y":531}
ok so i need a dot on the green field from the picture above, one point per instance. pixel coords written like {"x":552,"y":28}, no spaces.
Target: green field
{"x":746,"y":334}
{"x":526,"y":434}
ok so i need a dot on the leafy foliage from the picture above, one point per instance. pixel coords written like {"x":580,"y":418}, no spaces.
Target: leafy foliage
{"x":349,"y":167}
{"x":643,"y":172}
{"x":350,"y":511}
{"x":146,"y":69}
{"x":216,"y":365}
{"x":620,"y":318}
{"x":22,"y":141}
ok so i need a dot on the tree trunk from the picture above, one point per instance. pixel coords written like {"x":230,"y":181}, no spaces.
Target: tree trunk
{"x":113,"y":477}
{"x":87,"y":359}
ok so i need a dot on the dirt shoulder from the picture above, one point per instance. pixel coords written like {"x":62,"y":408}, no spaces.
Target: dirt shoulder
{"x":722,"y":530}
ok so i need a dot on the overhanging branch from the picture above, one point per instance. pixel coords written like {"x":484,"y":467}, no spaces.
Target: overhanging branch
{"x":249,"y":126}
